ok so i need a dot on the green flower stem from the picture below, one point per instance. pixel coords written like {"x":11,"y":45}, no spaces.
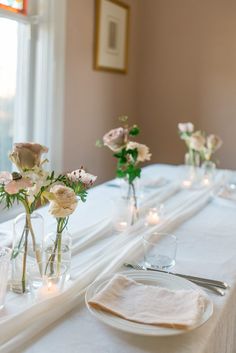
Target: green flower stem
{"x":135,"y":211}
{"x":61,"y":225}
{"x":24,"y":261}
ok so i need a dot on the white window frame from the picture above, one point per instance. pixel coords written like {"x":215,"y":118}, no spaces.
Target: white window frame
{"x":43,"y":82}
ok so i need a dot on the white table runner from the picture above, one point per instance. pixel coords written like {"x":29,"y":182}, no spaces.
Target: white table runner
{"x":87,"y":265}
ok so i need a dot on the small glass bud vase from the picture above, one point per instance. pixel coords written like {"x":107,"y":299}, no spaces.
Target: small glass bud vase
{"x":208,"y":172}
{"x":57,"y":250}
{"x":192,"y":163}
{"x":124,"y":214}
{"x":130,"y":199}
{"x":28,"y":234}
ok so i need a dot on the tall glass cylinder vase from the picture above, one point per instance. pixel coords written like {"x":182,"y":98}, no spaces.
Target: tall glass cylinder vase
{"x":126,"y":210}
{"x":192,"y":163}
{"x":208,"y":172}
{"x":28,"y":234}
{"x":57,"y":251}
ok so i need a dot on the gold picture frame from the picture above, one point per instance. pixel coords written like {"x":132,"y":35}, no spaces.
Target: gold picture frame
{"x":111,"y":36}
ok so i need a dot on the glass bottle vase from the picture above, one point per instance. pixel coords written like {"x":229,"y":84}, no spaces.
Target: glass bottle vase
{"x":192,"y":163}
{"x":208,"y":172}
{"x":126,"y":210}
{"x":57,"y":251}
{"x":28,"y":234}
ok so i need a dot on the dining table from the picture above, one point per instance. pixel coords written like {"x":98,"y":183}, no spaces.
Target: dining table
{"x":203,"y":219}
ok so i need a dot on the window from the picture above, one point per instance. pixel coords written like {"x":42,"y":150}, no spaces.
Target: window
{"x":32,"y":46}
{"x":31,"y":75}
{"x":8,"y":72}
{"x":18,"y":6}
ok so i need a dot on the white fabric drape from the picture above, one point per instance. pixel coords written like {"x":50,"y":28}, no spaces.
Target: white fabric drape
{"x":97,"y":252}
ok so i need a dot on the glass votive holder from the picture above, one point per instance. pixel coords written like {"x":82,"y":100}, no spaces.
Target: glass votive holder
{"x":159,"y":250}
{"x":47,"y":279}
{"x":122,"y":214}
{"x":5,"y":256}
{"x":154,"y":215}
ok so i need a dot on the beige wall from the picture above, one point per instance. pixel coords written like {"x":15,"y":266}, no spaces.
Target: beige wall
{"x":188,"y":72}
{"x":93,"y":99}
{"x":182,"y":66}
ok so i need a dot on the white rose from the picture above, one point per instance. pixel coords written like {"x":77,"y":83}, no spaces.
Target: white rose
{"x":63,"y":201}
{"x":214,"y":142}
{"x":197,"y":142}
{"x":143,"y":151}
{"x":186,"y":127}
{"x":115,"y":139}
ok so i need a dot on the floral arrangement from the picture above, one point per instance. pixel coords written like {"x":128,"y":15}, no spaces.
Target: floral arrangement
{"x":129,"y":154}
{"x":31,"y":184}
{"x":200,"y":146}
{"x":63,"y":202}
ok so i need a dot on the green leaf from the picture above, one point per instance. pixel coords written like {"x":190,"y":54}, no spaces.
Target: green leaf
{"x":134,"y":131}
{"x":133,"y":153}
{"x":120,"y":173}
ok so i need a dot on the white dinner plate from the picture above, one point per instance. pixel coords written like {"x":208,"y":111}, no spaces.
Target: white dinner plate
{"x":149,"y":278}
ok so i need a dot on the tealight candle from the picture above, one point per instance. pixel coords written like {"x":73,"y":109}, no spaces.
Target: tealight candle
{"x":153,"y":217}
{"x":47,"y":290}
{"x":206,"y":181}
{"x":121,"y":226}
{"x":187,"y":183}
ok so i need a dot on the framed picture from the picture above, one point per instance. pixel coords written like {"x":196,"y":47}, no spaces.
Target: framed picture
{"x":111,"y":36}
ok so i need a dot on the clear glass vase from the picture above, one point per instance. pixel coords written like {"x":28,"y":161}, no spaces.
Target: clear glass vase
{"x":208,"y":172}
{"x":192,"y":164}
{"x":57,"y":251}
{"x":126,"y":210}
{"x":28,"y":234}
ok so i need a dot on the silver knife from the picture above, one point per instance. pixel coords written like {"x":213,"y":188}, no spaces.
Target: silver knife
{"x":208,"y":281}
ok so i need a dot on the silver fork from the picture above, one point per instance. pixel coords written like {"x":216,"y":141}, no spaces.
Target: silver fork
{"x":199,"y":283}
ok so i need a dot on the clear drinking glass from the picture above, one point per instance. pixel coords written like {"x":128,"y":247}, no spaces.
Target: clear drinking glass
{"x":5,"y":256}
{"x":159,"y":250}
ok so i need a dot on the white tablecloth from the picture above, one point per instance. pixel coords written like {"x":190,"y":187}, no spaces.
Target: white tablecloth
{"x":205,"y":226}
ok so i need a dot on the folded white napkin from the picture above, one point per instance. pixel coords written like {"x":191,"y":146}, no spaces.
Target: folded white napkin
{"x":153,"y":305}
{"x":227,"y":194}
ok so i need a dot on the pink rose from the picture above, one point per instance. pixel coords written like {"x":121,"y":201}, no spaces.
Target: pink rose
{"x":197,"y":141}
{"x":186,"y":127}
{"x":116,"y":139}
{"x":27,"y":155}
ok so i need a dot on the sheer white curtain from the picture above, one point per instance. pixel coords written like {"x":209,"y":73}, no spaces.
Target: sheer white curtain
{"x":32,"y":80}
